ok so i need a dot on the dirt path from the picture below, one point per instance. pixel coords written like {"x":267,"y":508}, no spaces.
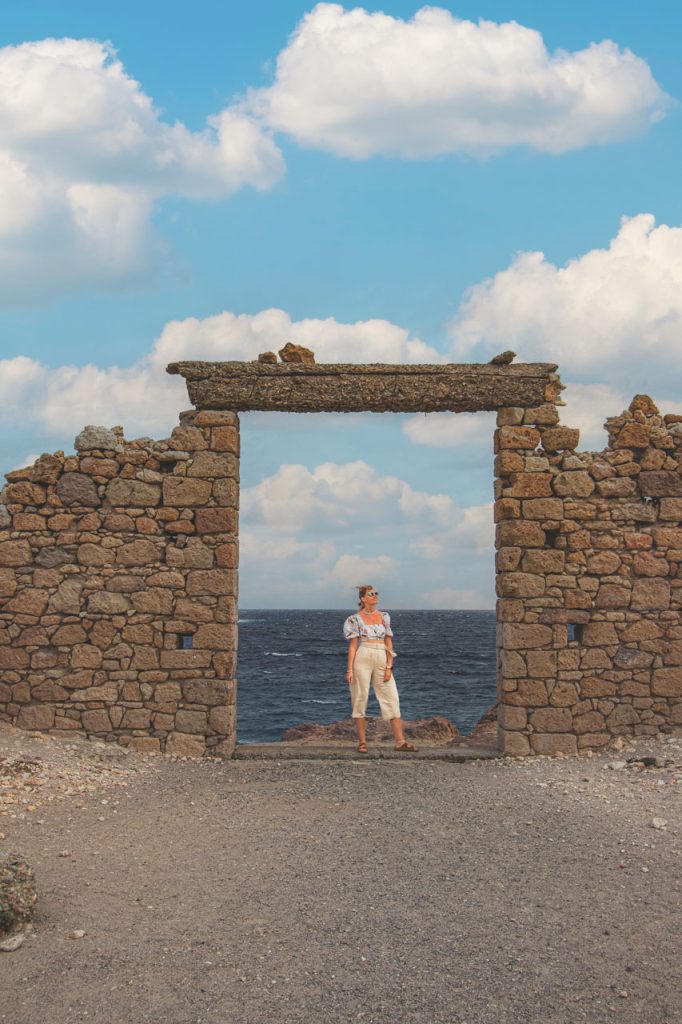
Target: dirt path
{"x":381,"y":892}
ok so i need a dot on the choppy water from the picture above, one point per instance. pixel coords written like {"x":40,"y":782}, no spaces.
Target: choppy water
{"x":292,"y":667}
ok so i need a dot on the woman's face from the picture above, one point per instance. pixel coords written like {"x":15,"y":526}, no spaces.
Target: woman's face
{"x":370,"y":598}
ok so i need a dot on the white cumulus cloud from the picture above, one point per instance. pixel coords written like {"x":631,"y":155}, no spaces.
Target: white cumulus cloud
{"x":359,"y":83}
{"x":144,"y":399}
{"x":615,"y":311}
{"x":84,"y":155}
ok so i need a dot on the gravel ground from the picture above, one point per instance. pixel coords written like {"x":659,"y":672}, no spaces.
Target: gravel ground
{"x":537,"y":890}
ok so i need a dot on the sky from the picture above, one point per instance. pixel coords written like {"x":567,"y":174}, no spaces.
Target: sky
{"x":388,"y":183}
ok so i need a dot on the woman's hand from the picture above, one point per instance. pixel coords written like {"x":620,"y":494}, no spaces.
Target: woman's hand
{"x":349,"y":676}
{"x":387,"y":673}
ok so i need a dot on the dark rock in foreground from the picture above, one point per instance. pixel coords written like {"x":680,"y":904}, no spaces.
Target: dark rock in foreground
{"x":17,"y":893}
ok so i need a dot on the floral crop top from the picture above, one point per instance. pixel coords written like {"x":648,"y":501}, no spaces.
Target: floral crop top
{"x":355,"y":626}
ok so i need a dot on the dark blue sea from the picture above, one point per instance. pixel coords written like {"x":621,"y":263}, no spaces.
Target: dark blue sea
{"x":292,"y":666}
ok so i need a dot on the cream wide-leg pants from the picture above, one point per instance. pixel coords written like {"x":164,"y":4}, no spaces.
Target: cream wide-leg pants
{"x":369,"y":665}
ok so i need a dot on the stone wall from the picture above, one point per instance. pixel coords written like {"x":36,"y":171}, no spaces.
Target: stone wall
{"x":588,"y":552}
{"x":112,"y":563}
{"x":118,"y":584}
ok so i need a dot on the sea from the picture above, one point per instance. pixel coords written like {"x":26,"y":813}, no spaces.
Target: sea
{"x":292,"y":667}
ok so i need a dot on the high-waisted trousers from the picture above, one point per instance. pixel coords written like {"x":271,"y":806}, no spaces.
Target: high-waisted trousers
{"x":369,"y":665}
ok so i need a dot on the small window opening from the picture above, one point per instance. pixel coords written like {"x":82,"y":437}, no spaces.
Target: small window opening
{"x":166,"y":467}
{"x":575,"y":633}
{"x":184,"y":641}
{"x":551,"y":538}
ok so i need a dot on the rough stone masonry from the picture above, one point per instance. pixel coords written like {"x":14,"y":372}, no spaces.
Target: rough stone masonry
{"x":118,"y":565}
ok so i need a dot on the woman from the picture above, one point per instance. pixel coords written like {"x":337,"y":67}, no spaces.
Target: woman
{"x":370,"y":657}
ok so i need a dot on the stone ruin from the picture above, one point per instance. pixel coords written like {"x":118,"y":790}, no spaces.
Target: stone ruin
{"x":118,"y":565}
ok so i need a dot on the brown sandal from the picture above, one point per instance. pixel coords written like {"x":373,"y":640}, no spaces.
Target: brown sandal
{"x":362,"y":748}
{"x":407,"y":746}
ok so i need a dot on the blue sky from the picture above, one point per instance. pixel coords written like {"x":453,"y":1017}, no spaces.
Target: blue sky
{"x":134,"y":230}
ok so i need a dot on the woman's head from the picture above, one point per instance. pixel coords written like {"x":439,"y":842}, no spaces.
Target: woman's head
{"x":366,"y":595}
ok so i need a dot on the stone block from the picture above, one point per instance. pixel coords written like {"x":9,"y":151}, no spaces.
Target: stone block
{"x":667,"y":682}
{"x":225,"y":439}
{"x":529,"y":693}
{"x":183,"y":492}
{"x":604,"y":563}
{"x":194,"y":555}
{"x":65,"y":636}
{"x":507,"y":462}
{"x":153,"y":602}
{"x":144,"y":744}
{"x":35,"y":716}
{"x":512,"y":665}
{"x":212,"y":582}
{"x":193,"y":722}
{"x":138,"y":552}
{"x":8,"y":583}
{"x":136,"y":718}
{"x":68,"y":597}
{"x":207,"y":691}
{"x":599,"y":634}
{"x":618,"y":487}
{"x":524,"y":438}
{"x":551,"y":720}
{"x":49,"y":558}
{"x":543,"y":508}
{"x":660,"y":483}
{"x":647,"y":564}
{"x":610,"y":595}
{"x":77,"y":489}
{"x":573,"y":483}
{"x":13,"y":659}
{"x":513,"y":744}
{"x":531,"y":485}
{"x":591,"y":721}
{"x":543,"y":561}
{"x":188,"y":439}
{"x":96,"y":721}
{"x":564,"y":694}
{"x":94,"y":554}
{"x":542,"y":664}
{"x":168,"y":579}
{"x":215,"y":637}
{"x":216,"y":418}
{"x":124,"y":584}
{"x":214,"y":465}
{"x":521,"y":636}
{"x":554,"y":743}
{"x":222,"y":720}
{"x":105,"y":603}
{"x":512,"y":717}
{"x":86,"y":656}
{"x":510,"y":416}
{"x":507,"y":559}
{"x":671,"y":509}
{"x":506,"y":508}
{"x":190,"y":659}
{"x":650,"y":595}
{"x":14,"y":553}
{"x":667,"y":536}
{"x":519,"y":584}
{"x":622,"y":715}
{"x":558,"y":439}
{"x":519,"y":534}
{"x":184,"y":745}
{"x":124,"y":493}
{"x":216,"y":520}
{"x":25,"y":493}
{"x":28,"y":602}
{"x":592,"y":686}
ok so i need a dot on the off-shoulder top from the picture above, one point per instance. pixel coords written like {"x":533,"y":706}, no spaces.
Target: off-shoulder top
{"x":355,"y":626}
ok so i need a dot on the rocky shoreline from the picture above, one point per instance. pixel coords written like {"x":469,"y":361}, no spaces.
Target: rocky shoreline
{"x":434,"y":731}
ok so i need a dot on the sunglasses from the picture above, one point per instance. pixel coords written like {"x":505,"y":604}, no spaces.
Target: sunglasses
{"x":372,"y":593}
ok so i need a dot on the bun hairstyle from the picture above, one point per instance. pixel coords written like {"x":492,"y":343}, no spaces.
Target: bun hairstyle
{"x":362,"y":591}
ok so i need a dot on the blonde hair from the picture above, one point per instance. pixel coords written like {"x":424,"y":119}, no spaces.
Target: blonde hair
{"x":362,"y":591}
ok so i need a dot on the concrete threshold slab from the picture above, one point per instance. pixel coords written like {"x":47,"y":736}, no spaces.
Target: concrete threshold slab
{"x":377,"y":752}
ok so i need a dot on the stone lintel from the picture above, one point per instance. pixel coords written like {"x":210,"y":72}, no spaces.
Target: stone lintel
{"x":370,"y":387}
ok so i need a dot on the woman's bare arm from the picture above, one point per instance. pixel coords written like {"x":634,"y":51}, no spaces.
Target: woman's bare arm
{"x":388,"y":641}
{"x":352,"y":648}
